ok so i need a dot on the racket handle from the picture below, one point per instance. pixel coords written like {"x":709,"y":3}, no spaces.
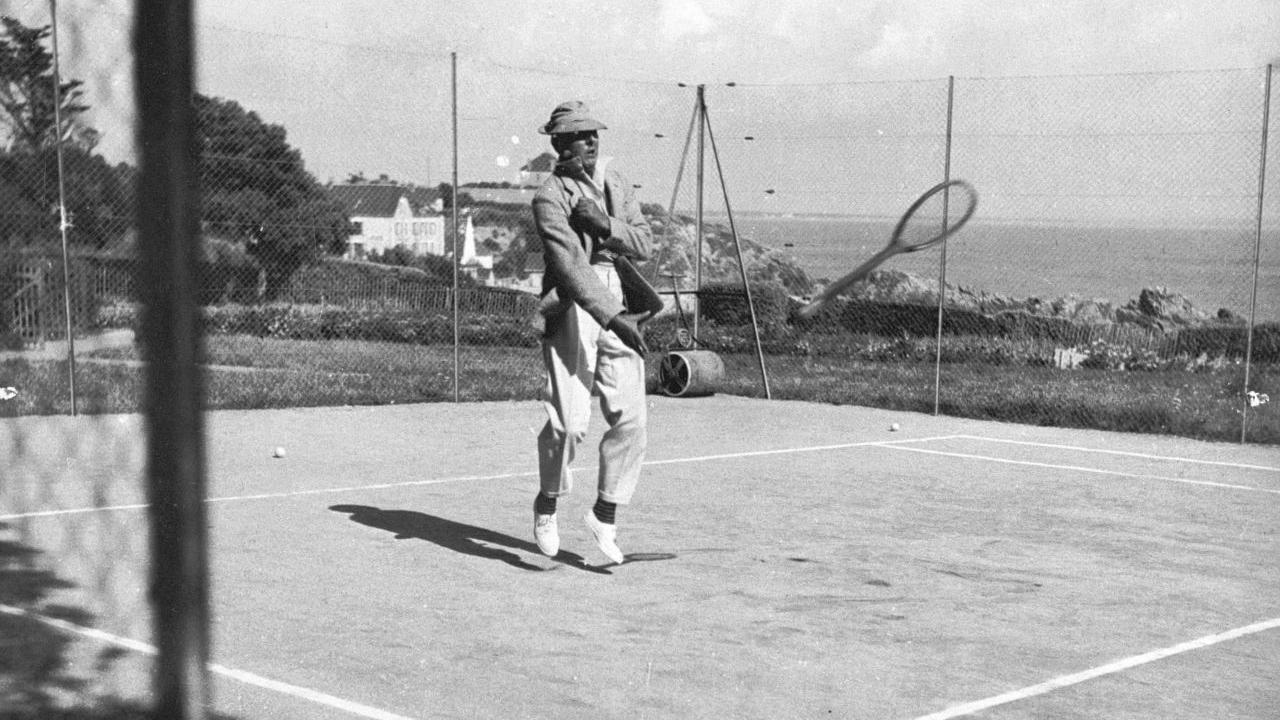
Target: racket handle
{"x":839,"y":286}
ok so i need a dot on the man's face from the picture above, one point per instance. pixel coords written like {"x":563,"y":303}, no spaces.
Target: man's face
{"x":582,"y":145}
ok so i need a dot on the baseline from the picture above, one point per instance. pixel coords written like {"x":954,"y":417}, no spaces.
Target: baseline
{"x":1110,"y":668}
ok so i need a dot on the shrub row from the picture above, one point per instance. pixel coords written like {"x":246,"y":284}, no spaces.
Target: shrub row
{"x":727,"y":305}
{"x":312,"y":322}
{"x":872,"y":341}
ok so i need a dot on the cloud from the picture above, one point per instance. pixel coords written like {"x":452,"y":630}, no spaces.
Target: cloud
{"x":678,"y":18}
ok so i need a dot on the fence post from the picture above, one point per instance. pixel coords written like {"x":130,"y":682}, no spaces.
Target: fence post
{"x":453,"y":233}
{"x":1257,"y":256}
{"x":942,"y":266}
{"x":63,"y":224}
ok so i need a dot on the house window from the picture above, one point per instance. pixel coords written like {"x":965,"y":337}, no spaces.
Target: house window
{"x":358,"y":227}
{"x":401,"y":230}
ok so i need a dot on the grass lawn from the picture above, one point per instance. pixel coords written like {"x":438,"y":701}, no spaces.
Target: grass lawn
{"x":252,"y":372}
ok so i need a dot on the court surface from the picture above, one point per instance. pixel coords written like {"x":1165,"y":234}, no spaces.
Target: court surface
{"x":785,"y":560}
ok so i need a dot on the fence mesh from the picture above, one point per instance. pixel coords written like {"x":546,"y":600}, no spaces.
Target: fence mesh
{"x":73,"y":533}
{"x":1119,"y":274}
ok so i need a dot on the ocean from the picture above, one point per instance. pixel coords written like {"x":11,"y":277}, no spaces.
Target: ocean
{"x":1211,"y":266}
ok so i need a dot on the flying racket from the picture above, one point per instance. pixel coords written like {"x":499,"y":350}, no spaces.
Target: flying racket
{"x":933,"y":217}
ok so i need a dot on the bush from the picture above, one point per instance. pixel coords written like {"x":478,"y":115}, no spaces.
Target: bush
{"x":727,"y":304}
{"x":118,"y":315}
{"x":1230,"y":341}
{"x":312,"y":322}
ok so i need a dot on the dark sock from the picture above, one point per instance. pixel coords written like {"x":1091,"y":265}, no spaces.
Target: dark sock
{"x":544,"y":505}
{"x":605,"y":511}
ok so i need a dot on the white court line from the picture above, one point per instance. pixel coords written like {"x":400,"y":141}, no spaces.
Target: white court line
{"x":268,"y":496}
{"x":811,"y":448}
{"x":1243,"y":466}
{"x":1078,"y":468}
{"x":1110,"y":668}
{"x":464,"y":478}
{"x":248,"y":678}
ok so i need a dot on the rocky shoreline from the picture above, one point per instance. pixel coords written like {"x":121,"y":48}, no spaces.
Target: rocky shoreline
{"x":1157,"y":309}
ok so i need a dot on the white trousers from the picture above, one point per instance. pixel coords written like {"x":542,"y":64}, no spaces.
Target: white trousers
{"x":581,"y":359}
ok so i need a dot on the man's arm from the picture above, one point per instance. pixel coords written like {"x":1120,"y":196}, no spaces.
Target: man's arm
{"x":568,"y":262}
{"x":629,"y":232}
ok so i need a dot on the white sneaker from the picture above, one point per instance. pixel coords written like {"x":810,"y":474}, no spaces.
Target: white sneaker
{"x":606,"y":536}
{"x":547,"y":534}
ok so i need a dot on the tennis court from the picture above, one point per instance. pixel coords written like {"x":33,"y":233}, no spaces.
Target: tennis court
{"x":784,"y":560}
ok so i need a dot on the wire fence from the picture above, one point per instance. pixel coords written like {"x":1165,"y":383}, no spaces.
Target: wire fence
{"x":1121,"y":272}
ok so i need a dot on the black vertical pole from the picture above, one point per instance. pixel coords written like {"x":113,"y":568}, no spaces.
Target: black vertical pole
{"x":1257,"y":254}
{"x":742,"y":267}
{"x":942,"y":264}
{"x":697,"y":224}
{"x":168,"y":234}
{"x":63,"y":224}
{"x":453,"y":240}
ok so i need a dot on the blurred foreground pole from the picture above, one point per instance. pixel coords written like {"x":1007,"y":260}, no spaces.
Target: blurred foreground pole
{"x":168,"y":233}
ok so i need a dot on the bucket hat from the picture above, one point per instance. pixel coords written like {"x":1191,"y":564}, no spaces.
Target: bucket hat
{"x":571,"y":117}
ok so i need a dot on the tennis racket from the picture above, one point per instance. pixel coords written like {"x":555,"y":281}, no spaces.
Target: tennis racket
{"x":933,"y":217}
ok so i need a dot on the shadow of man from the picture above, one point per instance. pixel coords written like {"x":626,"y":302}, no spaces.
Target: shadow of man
{"x":456,"y":536}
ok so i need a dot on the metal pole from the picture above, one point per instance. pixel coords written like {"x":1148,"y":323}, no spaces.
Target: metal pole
{"x":942,"y":270}
{"x":1257,"y":255}
{"x":742,"y":268}
{"x":63,"y":225}
{"x":697,"y":225}
{"x":457,"y":338}
{"x":675,"y":193}
{"x":168,"y":222}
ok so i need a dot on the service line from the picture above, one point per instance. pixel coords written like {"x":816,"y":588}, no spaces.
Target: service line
{"x":1144,"y":456}
{"x":469,"y":478}
{"x":1080,"y":468}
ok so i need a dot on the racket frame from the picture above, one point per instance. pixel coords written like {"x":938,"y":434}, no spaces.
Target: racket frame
{"x":896,"y":245}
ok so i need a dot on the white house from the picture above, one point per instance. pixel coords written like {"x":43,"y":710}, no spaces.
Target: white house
{"x":384,"y":219}
{"x":536,"y":171}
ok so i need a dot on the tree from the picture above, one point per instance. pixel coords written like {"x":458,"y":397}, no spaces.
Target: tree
{"x":98,"y":197}
{"x":27,"y":98}
{"x":257,"y":190}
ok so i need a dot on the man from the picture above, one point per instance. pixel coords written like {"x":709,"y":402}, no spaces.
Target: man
{"x":591,"y":228}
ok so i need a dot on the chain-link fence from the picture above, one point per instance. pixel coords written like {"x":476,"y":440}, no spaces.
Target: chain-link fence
{"x":1116,"y":233}
{"x":1106,"y":281}
{"x":1120,"y":273}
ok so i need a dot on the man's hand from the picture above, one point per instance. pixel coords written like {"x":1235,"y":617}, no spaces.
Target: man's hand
{"x":626,"y":327}
{"x":589,"y":218}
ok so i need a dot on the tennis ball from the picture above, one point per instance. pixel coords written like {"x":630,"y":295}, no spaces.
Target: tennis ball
{"x":894,"y":427}
{"x":279,"y":452}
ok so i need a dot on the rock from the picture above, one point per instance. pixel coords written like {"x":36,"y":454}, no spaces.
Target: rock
{"x":1164,"y":305}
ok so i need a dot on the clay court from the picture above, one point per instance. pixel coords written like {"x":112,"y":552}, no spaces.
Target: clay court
{"x":784,"y":560}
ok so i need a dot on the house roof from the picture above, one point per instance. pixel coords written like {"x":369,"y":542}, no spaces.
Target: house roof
{"x":546,"y":162}
{"x":376,"y":200}
{"x":505,"y":196}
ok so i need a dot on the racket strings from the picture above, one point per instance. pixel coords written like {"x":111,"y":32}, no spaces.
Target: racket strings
{"x":935,"y":217}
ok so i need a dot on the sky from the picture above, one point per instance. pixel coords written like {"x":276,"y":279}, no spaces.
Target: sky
{"x":364,"y":86}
